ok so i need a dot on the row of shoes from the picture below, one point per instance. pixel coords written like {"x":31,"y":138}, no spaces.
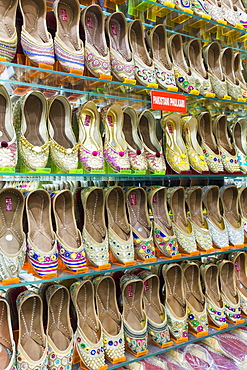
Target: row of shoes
{"x":102,"y":332}
{"x":213,"y":299}
{"x":46,"y":339}
{"x":44,"y":127}
{"x":208,"y":69}
{"x":205,"y":143}
{"x":127,"y":56}
{"x":199,"y":231}
{"x":233,"y":12}
{"x":116,"y":236}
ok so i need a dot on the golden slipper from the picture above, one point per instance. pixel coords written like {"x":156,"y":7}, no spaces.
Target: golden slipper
{"x":208,"y":143}
{"x":63,"y":146}
{"x":30,"y":115}
{"x":175,"y":149}
{"x":194,"y":151}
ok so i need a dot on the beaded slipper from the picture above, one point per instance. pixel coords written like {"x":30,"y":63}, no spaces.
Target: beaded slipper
{"x":94,"y":234}
{"x":8,"y":352}
{"x":175,"y":149}
{"x":231,"y":215}
{"x":41,"y":242}
{"x":227,"y":151}
{"x":214,"y":303}
{"x":152,"y":148}
{"x":63,"y":146}
{"x":194,"y":151}
{"x":162,"y":63}
{"x":180,"y":223}
{"x":175,"y":302}
{"x":233,"y":86}
{"x":216,"y":224}
{"x":134,"y":317}
{"x":196,"y":303}
{"x":122,"y":63}
{"x":184,"y":79}
{"x":12,"y":238}
{"x":208,"y":143}
{"x":97,"y":56}
{"x":90,"y":141}
{"x":8,"y":144}
{"x":163,"y":235}
{"x":193,"y":51}
{"x":30,"y":115}
{"x":144,"y":66}
{"x":115,"y":147}
{"x":229,"y":293}
{"x":119,"y":231}
{"x":212,"y":59}
{"x":59,"y":331}
{"x":135,"y":148}
{"x":136,"y":199}
{"x":32,"y":347}
{"x":69,"y":49}
{"x":197,"y":219}
{"x":240,"y":262}
{"x":89,"y":333}
{"x":110,"y":317}
{"x":156,"y":315}
{"x":36,"y":41}
{"x":69,"y":241}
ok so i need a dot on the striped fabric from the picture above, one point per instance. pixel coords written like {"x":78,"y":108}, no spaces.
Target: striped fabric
{"x":8,"y":48}
{"x":43,"y":53}
{"x":74,"y":260}
{"x":67,"y":58}
{"x":43,"y":264}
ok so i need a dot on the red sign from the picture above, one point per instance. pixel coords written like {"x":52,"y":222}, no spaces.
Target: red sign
{"x":171,"y":102}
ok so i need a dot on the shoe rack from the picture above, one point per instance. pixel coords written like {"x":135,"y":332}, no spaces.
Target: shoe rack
{"x":20,"y":76}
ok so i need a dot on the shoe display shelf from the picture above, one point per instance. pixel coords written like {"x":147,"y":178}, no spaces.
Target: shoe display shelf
{"x":78,"y":88}
{"x":27,"y":279}
{"x":20,"y":78}
{"x":154,"y":350}
{"x":185,"y":21}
